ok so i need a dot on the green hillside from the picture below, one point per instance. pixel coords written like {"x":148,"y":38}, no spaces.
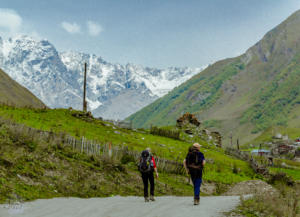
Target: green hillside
{"x":12,"y":93}
{"x":29,"y":164}
{"x":244,"y":95}
{"x":32,"y":167}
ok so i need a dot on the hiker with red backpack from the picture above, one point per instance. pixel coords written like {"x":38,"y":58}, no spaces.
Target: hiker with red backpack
{"x":147,"y":166}
{"x":193,"y":164}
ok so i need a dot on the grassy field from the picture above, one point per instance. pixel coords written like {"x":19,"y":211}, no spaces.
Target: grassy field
{"x":61,"y":120}
{"x":294,"y":173}
{"x":220,"y":168}
{"x":284,"y":204}
{"x":32,"y":168}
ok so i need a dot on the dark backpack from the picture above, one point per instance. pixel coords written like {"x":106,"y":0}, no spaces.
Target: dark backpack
{"x":193,"y":161}
{"x":145,"y":164}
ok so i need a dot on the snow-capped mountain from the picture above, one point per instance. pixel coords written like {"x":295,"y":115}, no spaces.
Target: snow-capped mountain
{"x":114,"y":91}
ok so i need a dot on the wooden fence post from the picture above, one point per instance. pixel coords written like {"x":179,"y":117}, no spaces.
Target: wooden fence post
{"x":109,"y":150}
{"x":73,"y":143}
{"x":87,"y":147}
{"x":90,"y":147}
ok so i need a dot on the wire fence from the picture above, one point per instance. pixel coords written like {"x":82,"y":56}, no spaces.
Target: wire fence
{"x":258,"y":167}
{"x":116,"y":152}
{"x":88,"y":147}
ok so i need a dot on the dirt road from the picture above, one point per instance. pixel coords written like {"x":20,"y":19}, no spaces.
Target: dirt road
{"x":121,"y":207}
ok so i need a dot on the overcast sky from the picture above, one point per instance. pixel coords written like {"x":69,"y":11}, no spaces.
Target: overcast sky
{"x":158,"y":33}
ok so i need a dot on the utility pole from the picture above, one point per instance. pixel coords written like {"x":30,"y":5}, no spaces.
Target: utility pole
{"x":84,"y":90}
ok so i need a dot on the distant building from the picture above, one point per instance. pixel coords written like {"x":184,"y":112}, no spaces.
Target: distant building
{"x":260,"y":152}
{"x":277,"y":136}
{"x":285,"y":137}
{"x":282,"y":149}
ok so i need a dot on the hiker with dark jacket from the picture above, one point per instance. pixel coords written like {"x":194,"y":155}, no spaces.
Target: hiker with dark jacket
{"x":147,"y":166}
{"x":193,"y":164}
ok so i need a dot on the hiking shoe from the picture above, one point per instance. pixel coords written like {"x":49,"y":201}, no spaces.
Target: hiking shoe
{"x":196,"y":201}
{"x":146,"y":199}
{"x":152,"y":198}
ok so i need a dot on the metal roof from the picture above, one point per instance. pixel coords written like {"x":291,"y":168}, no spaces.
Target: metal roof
{"x":260,"y":151}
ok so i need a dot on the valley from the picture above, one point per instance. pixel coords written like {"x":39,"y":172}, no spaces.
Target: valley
{"x":242,"y":113}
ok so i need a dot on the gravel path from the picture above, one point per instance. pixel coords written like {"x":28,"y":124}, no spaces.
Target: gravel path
{"x":122,"y":207}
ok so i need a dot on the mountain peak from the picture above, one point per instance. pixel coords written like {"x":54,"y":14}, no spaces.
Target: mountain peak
{"x":242,"y":95}
{"x":56,"y":78}
{"x":281,"y":43}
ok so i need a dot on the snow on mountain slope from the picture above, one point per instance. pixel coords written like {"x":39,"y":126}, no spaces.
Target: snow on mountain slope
{"x":114,"y":91}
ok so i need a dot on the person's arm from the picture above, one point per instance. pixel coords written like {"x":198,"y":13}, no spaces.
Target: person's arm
{"x":185,"y":167}
{"x":154,"y":166}
{"x":203,"y":161}
{"x":155,"y":170}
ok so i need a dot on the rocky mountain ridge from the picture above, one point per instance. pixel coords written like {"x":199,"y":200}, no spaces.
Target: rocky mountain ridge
{"x":242,"y":96}
{"x":114,"y":91}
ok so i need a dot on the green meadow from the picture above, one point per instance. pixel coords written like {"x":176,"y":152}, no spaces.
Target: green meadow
{"x":221,"y":168}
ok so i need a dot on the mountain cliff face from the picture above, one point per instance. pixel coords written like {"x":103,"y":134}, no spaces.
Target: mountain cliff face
{"x":114,"y":91}
{"x":241,"y":96}
{"x":11,"y":93}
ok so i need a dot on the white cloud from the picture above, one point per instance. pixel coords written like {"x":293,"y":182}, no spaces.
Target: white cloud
{"x":72,"y":28}
{"x":12,"y":24}
{"x":94,"y":28}
{"x":10,"y":20}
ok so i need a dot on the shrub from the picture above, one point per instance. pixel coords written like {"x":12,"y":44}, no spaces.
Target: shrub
{"x":219,"y":168}
{"x":77,"y":132}
{"x":174,"y":134}
{"x":235,"y":169}
{"x":127,"y":159}
{"x":32,"y":146}
{"x":285,"y":204}
{"x":280,"y":177}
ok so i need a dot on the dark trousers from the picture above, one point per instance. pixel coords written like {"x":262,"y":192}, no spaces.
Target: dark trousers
{"x":150,"y":177}
{"x":197,"y":184}
{"x":196,"y":176}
